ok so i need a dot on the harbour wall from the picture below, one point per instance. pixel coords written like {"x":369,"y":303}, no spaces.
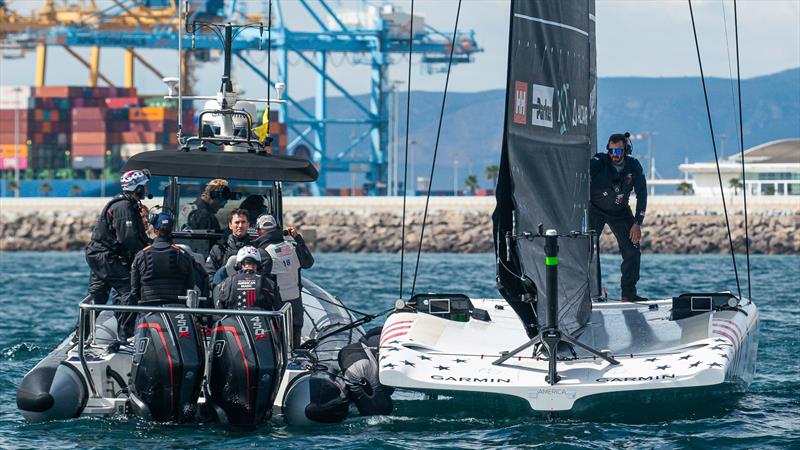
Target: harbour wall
{"x":685,"y":225}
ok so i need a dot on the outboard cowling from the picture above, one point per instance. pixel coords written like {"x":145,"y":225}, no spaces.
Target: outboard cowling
{"x":245,"y":369}
{"x":359,"y":364}
{"x":167,"y":367}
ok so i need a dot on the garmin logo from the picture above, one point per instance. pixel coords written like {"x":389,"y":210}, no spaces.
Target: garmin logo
{"x":652,"y":378}
{"x":542,"y":106}
{"x":471,"y":380}
{"x":520,"y":102}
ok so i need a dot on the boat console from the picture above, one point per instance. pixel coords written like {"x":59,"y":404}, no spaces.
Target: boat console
{"x":455,"y":307}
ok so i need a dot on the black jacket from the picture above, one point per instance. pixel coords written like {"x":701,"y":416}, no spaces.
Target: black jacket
{"x":221,"y":251}
{"x":119,"y":229}
{"x":203,"y":218}
{"x":611,"y":190}
{"x":160,"y":273}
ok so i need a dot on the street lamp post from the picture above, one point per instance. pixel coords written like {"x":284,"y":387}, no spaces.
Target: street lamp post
{"x":16,"y":142}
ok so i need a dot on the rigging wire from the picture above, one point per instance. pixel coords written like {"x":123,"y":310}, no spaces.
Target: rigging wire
{"x":714,"y":145}
{"x":269,"y":61}
{"x":741,"y":149}
{"x":436,"y":145}
{"x":405,"y":166}
{"x":730,"y":70}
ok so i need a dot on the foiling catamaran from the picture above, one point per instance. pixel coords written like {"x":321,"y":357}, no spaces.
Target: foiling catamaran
{"x":189,"y":362}
{"x":553,"y":341}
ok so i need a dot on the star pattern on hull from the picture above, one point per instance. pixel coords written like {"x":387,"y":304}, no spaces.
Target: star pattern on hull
{"x":459,"y":360}
{"x":392,"y":349}
{"x":424,"y":358}
{"x":695,"y":364}
{"x":715,"y":364}
{"x":724,"y":355}
{"x":651,"y":359}
{"x":409,"y":363}
{"x":685,"y":357}
{"x":389,"y":366}
{"x":394,"y":341}
{"x":440,"y":367}
{"x":664,"y":367}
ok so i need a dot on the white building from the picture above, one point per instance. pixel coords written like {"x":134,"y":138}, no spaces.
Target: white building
{"x":770,"y":169}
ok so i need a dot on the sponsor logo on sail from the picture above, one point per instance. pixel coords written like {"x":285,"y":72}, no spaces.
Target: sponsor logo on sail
{"x":542,"y":106}
{"x":520,"y":102}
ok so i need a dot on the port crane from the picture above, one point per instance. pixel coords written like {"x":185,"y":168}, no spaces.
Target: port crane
{"x":373,"y":32}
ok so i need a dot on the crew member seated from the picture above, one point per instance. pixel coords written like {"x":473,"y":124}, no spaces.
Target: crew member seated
{"x":202,"y":214}
{"x":247,"y":289}
{"x":287,"y":259}
{"x":221,"y":251}
{"x":160,"y":273}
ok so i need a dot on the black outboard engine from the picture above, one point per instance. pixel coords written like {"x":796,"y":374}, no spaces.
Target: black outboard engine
{"x":167,"y":367}
{"x":246,"y":366}
{"x":359,"y":364}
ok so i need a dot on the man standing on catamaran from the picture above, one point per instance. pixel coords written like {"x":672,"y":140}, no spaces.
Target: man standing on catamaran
{"x":614,"y":175}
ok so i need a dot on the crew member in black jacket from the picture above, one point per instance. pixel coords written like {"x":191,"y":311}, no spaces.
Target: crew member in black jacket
{"x":117,"y":236}
{"x":159,"y":274}
{"x":222,"y":250}
{"x":614,"y":175}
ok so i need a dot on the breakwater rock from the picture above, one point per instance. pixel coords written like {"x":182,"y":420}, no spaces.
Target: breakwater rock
{"x":449,"y":229}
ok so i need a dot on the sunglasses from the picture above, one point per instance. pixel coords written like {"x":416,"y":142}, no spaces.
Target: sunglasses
{"x":615,"y":151}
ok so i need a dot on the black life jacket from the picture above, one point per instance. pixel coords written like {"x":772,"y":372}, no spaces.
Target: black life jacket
{"x":164,"y":271}
{"x":103,"y":232}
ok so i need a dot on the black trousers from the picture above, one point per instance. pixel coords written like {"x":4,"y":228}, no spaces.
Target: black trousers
{"x":631,"y":254}
{"x":297,"y":320}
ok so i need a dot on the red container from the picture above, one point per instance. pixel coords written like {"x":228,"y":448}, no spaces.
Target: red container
{"x":89,"y":150}
{"x":88,"y":137}
{"x":9,"y":114}
{"x":89,"y":114}
{"x":147,"y":137}
{"x":122,"y":102}
{"x":58,"y":91}
{"x":88,"y":126}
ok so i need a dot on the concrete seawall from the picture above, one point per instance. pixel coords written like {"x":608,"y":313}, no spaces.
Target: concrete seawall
{"x":460,"y":224}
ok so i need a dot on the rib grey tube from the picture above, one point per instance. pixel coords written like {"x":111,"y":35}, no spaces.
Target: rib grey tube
{"x":550,"y":134}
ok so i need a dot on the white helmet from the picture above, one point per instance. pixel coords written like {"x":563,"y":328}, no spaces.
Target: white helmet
{"x":132,"y":179}
{"x":248,"y":252}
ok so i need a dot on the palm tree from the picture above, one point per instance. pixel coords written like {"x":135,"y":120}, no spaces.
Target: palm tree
{"x":685,"y":188}
{"x":492,"y":172}
{"x":471,"y":182}
{"x":735,"y":184}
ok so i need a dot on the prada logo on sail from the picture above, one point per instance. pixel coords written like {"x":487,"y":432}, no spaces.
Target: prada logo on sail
{"x":652,"y":378}
{"x":471,"y":380}
{"x":542,"y":106}
{"x":520,"y":102}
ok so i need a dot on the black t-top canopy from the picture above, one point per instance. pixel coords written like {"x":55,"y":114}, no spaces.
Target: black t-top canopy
{"x":228,"y":165}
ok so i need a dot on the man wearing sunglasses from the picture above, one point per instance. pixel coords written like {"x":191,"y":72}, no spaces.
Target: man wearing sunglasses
{"x":614,"y":176}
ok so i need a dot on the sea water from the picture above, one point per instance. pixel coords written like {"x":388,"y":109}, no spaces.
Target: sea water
{"x":39,"y":293}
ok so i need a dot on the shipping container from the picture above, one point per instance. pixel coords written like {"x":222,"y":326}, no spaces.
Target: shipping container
{"x":153,"y":125}
{"x":89,"y":149}
{"x":12,"y":163}
{"x":90,"y":138}
{"x":128,"y":150}
{"x":88,"y":162}
{"x":89,"y":114}
{"x":9,"y":151}
{"x":153,"y":113}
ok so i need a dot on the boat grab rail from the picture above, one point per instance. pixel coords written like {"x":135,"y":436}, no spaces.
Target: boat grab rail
{"x":86,"y":307}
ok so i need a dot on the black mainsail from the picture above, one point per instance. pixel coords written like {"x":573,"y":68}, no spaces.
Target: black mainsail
{"x":549,"y":136}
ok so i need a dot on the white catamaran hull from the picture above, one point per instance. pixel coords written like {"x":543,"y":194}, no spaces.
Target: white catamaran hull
{"x":426,"y":353}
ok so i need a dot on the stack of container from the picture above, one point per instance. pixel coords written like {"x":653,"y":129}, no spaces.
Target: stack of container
{"x":15,"y":126}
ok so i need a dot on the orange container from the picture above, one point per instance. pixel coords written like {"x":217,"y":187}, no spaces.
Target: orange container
{"x":7,"y":151}
{"x":152,"y":113}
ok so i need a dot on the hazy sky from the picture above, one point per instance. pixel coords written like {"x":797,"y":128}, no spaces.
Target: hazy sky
{"x":651,"y":38}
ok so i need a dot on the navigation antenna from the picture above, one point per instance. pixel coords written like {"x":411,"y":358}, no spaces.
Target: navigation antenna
{"x":231,"y":134}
